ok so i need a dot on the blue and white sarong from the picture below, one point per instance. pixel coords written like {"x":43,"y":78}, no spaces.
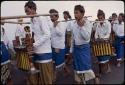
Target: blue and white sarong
{"x":82,"y":58}
{"x":5,"y":60}
{"x":42,"y":58}
{"x":104,"y":59}
{"x":59,"y":58}
{"x":82,"y":62}
{"x":43,"y":62}
{"x":120,"y":47}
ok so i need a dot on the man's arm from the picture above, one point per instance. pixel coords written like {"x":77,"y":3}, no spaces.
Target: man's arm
{"x":46,"y":33}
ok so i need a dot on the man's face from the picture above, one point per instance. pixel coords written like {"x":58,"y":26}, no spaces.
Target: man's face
{"x":114,"y":17}
{"x":54,"y":18}
{"x":78,"y":15}
{"x":65,"y":16}
{"x":28,"y":11}
{"x":120,"y":18}
{"x":101,"y":18}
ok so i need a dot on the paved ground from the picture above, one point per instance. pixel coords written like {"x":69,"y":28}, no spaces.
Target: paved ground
{"x":115,"y":77}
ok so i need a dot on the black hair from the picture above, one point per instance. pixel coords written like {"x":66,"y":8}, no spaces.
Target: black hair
{"x":114,"y":14}
{"x":27,"y":28}
{"x":80,"y":8}
{"x":67,"y":13}
{"x":100,"y":13}
{"x":31,"y":5}
{"x":54,"y":11}
{"x":123,"y":16}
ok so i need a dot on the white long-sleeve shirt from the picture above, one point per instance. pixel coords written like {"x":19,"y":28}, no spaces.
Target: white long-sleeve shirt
{"x":119,"y":29}
{"x":41,"y":35}
{"x":80,"y":35}
{"x":20,"y":31}
{"x":103,"y":31}
{"x":114,"y":21}
{"x":4,"y":38}
{"x":6,"y":41}
{"x":68,"y":23}
{"x":58,"y":35}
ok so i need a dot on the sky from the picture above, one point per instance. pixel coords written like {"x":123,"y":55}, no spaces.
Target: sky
{"x":13,"y":8}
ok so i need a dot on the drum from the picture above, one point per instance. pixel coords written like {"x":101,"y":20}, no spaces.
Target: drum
{"x":68,"y":39}
{"x":15,"y":43}
{"x":23,"y":53}
{"x":23,"y":61}
{"x":102,"y":47}
{"x":112,"y":36}
{"x":5,"y":73}
{"x":23,"y":41}
{"x":18,"y":40}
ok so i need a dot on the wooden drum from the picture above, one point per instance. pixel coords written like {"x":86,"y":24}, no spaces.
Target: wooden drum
{"x":102,"y":47}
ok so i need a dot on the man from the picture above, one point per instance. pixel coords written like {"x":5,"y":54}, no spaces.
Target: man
{"x":68,"y":57}
{"x":42,"y":46}
{"x":21,"y":55}
{"x":5,"y":58}
{"x":5,"y":38}
{"x":113,"y":22}
{"x":20,"y":30}
{"x":80,"y":48}
{"x":114,"y":18}
{"x":102,"y":32}
{"x":118,"y":28}
{"x":58,"y":30}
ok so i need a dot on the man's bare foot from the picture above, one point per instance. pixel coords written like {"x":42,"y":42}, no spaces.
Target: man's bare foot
{"x":97,"y":80}
{"x":66,"y":71}
{"x":118,"y":64}
{"x":108,"y":70}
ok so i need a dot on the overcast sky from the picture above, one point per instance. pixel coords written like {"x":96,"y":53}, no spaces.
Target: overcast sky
{"x":12,"y":8}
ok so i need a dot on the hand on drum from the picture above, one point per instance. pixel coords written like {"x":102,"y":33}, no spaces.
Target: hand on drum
{"x":30,"y":50}
{"x":81,"y":22}
{"x":55,"y":23}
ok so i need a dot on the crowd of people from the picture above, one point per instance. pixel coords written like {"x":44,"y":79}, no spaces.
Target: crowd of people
{"x":51,"y":45}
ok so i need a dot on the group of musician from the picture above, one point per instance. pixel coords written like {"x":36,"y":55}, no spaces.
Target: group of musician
{"x":47,"y":47}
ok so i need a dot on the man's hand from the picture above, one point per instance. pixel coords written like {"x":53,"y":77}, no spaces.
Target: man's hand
{"x":30,"y":50}
{"x":55,"y":23}
{"x":81,"y":22}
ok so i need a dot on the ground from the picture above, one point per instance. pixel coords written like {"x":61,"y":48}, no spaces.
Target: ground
{"x":115,"y":77}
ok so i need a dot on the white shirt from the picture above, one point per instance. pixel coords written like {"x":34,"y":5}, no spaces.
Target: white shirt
{"x":94,"y":26}
{"x":103,"y":31}
{"x":6,"y":41}
{"x":1,"y":33}
{"x":119,"y":29}
{"x":58,"y":35}
{"x":4,"y":38}
{"x":28,"y":33}
{"x":81,"y":35}
{"x":20,"y":31}
{"x":115,"y":21}
{"x":41,"y":35}
{"x":68,"y":23}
